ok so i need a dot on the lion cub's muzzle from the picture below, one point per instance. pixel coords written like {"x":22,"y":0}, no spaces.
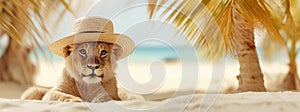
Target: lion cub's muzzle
{"x":93,"y":74}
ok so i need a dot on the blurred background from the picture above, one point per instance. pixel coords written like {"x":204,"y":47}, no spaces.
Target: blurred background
{"x":163,"y":62}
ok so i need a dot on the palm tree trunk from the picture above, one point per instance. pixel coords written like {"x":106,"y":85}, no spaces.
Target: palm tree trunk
{"x":15,"y":62}
{"x":250,"y":77}
{"x":16,"y":65}
{"x":291,"y":81}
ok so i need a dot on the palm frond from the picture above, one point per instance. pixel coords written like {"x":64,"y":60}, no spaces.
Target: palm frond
{"x":201,"y":24}
{"x":24,"y":20}
{"x":151,"y":6}
{"x":288,"y":22}
{"x":208,"y":23}
{"x":257,"y":11}
{"x":269,"y":48}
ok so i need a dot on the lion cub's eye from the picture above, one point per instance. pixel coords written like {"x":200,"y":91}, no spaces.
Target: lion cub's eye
{"x":103,"y":53}
{"x":82,"y":51}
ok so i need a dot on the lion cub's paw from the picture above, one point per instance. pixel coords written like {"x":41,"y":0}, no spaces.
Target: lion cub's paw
{"x":70,"y":99}
{"x":100,"y":98}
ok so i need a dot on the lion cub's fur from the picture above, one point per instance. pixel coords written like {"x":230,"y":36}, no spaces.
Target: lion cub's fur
{"x":88,"y":75}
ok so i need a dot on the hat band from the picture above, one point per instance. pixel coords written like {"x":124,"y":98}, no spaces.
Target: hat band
{"x":92,"y":32}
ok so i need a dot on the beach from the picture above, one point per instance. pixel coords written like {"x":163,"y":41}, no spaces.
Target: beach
{"x":148,"y":82}
{"x":246,"y":102}
{"x":175,"y":56}
{"x":172,"y":80}
{"x":176,"y":91}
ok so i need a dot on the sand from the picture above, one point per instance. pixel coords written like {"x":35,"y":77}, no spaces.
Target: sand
{"x":146,"y":81}
{"x":11,"y":90}
{"x":239,"y":102}
{"x":166,"y":97}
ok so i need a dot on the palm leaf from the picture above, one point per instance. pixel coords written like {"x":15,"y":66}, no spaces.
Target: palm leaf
{"x":18,"y":23}
{"x":257,"y":11}
{"x":202,"y":20}
{"x":287,"y":20}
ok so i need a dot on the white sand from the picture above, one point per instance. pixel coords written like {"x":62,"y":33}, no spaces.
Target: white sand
{"x":241,"y":102}
{"x":11,"y":90}
{"x":246,"y":102}
{"x":172,"y":76}
{"x":172,"y":80}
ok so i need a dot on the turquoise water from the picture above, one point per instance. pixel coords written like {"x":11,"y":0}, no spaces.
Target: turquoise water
{"x":151,"y":53}
{"x":160,"y":53}
{"x":140,"y":54}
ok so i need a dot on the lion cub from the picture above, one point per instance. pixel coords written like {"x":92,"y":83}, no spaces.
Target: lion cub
{"x":88,"y":75}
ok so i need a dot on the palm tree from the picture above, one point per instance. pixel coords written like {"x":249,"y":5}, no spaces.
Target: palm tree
{"x":289,"y":28}
{"x":236,"y":20}
{"x":23,"y":22}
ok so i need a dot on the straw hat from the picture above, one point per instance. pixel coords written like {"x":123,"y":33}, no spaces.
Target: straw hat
{"x":93,"y":29}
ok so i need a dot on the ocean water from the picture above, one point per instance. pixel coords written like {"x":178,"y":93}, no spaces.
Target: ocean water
{"x":156,"y":53}
{"x":168,"y":54}
{"x":140,"y":54}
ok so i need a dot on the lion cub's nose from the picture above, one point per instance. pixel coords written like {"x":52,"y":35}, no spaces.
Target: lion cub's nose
{"x":93,"y":67}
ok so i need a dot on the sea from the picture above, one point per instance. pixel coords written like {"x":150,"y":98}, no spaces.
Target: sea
{"x":139,"y":55}
{"x":157,"y":53}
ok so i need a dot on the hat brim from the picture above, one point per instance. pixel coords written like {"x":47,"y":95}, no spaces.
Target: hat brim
{"x":123,"y":41}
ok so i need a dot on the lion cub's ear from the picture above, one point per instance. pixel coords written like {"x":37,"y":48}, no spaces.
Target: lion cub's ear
{"x":117,"y":51}
{"x":67,"y":50}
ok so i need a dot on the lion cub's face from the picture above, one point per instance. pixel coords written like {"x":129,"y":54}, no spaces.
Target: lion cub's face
{"x":92,"y":62}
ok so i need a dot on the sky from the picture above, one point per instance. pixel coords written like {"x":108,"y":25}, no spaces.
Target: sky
{"x":130,"y":17}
